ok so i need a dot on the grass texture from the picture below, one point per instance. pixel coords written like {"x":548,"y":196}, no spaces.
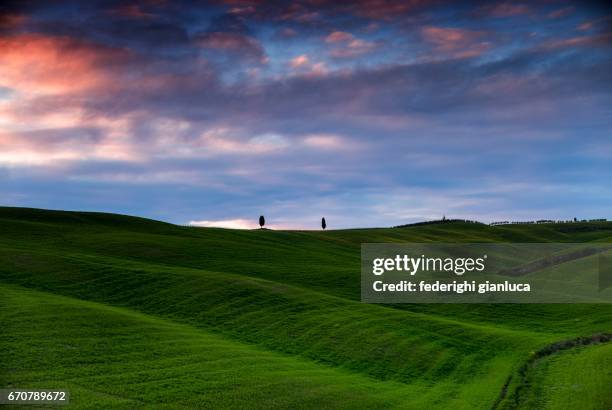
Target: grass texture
{"x":127,"y":312}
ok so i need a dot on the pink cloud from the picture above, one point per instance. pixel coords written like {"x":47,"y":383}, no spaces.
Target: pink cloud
{"x":324,"y":141}
{"x":298,"y":12}
{"x":55,"y":147}
{"x":338,"y":36}
{"x":318,"y":69}
{"x":353,"y":48}
{"x":132,"y":11}
{"x":235,"y":43}
{"x":448,"y":38}
{"x":507,"y":9}
{"x":382,"y":9}
{"x":345,"y":45}
{"x":38,"y":64}
{"x":304,"y":66}
{"x":45,"y":119}
{"x":307,"y":12}
{"x":227,"y":223}
{"x":566,"y":11}
{"x":456,"y":43}
{"x":288,"y":32}
{"x":46,"y":134}
{"x":243,"y":10}
{"x":300,"y":61}
{"x":329,"y":142}
{"x":18,"y":150}
{"x":599,"y":40}
{"x":223,"y":141}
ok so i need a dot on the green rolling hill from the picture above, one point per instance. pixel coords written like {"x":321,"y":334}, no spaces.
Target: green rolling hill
{"x":127,"y":312}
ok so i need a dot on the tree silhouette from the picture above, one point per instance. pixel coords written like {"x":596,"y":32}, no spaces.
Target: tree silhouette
{"x":323,"y":224}
{"x":262,"y":221}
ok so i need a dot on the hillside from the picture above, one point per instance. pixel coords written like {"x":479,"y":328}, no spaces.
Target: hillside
{"x":132,"y":312}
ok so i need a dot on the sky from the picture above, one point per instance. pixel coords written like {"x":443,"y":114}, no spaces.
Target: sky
{"x":368,"y":113}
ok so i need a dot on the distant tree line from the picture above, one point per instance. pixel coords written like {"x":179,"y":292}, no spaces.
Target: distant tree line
{"x":539,"y":221}
{"x":547,"y":221}
{"x":444,"y":220}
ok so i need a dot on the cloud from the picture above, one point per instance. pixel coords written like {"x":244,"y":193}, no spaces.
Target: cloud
{"x":596,"y":40}
{"x":267,"y":142}
{"x":243,"y":10}
{"x":52,"y":147}
{"x":345,"y":45}
{"x":288,"y":32}
{"x":297,"y":12}
{"x":353,"y":48}
{"x":38,"y":64}
{"x":338,"y":37}
{"x":562,"y":12}
{"x":456,"y":43}
{"x":384,"y":9}
{"x":505,"y":9}
{"x":132,"y":11}
{"x":314,"y":12}
{"x":304,"y":66}
{"x":228,"y":223}
{"x":236,"y":43}
{"x":106,"y":113}
{"x":240,"y":224}
{"x":12,"y":21}
{"x":224,"y":141}
{"x":300,"y":61}
{"x":87,"y":139}
{"x":326,"y":142}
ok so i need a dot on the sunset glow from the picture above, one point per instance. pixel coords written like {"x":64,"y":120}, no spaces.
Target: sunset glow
{"x":368,"y":113}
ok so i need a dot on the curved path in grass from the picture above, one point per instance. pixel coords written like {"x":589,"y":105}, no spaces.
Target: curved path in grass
{"x":567,"y":374}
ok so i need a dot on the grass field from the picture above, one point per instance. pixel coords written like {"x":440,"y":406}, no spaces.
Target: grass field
{"x":127,"y":312}
{"x":565,"y":380}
